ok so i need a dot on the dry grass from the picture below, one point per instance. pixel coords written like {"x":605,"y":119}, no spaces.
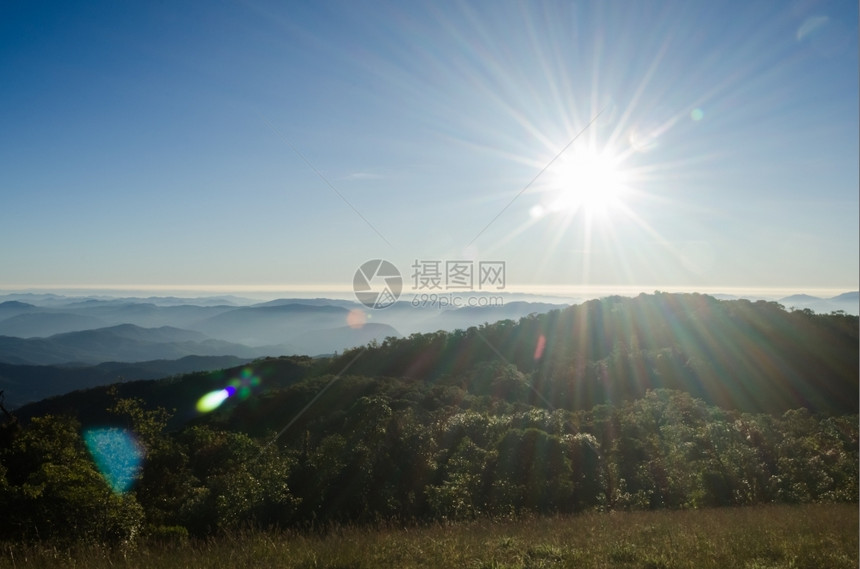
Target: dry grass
{"x":809,"y":536}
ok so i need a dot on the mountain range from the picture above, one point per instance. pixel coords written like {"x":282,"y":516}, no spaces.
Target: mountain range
{"x":60,"y":337}
{"x":69,"y":334}
{"x":280,"y":327}
{"x":736,"y":354}
{"x":848,"y":302}
{"x":124,"y":342}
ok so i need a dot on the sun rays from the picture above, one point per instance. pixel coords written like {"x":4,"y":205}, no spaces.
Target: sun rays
{"x":591,"y":182}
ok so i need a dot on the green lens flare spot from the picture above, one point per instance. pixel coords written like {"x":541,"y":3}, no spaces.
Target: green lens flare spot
{"x":214,"y":399}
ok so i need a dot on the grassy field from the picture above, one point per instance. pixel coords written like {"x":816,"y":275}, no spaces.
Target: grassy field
{"x":810,"y":536}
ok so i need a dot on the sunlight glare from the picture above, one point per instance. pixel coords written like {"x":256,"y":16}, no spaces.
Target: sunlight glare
{"x":590,"y":181}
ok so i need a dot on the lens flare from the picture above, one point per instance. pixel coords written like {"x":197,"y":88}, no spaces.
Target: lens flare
{"x":241,"y":386}
{"x":540,"y":347}
{"x":356,"y":318}
{"x":118,"y":456}
{"x":214,"y":399}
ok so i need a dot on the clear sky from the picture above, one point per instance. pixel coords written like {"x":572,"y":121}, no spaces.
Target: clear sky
{"x":242,"y":144}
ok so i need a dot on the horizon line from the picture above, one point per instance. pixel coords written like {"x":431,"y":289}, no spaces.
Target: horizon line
{"x":529,"y":290}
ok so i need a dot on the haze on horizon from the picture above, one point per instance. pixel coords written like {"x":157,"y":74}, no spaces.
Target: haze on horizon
{"x":600,"y":146}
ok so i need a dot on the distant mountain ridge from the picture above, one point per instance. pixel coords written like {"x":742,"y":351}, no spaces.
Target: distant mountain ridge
{"x":848,"y":297}
{"x":297,"y":326}
{"x":42,"y":324}
{"x":848,"y":302}
{"x":125,"y":342}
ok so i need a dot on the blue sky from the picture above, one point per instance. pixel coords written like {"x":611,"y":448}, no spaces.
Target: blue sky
{"x":196,"y":144}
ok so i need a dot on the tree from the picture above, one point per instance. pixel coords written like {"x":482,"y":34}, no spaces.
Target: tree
{"x":54,"y":490}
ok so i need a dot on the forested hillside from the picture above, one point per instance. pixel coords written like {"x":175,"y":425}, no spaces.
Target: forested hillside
{"x":662,"y":401}
{"x":752,"y":356}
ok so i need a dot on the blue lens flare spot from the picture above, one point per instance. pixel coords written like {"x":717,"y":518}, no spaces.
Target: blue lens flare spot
{"x":118,"y":456}
{"x":213,"y":399}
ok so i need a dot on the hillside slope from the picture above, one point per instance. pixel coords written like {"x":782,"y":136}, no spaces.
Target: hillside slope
{"x":754,"y":357}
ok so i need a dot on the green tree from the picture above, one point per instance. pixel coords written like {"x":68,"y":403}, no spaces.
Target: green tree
{"x":55,"y":491}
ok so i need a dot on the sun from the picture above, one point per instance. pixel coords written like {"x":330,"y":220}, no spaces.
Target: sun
{"x":590,"y":182}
